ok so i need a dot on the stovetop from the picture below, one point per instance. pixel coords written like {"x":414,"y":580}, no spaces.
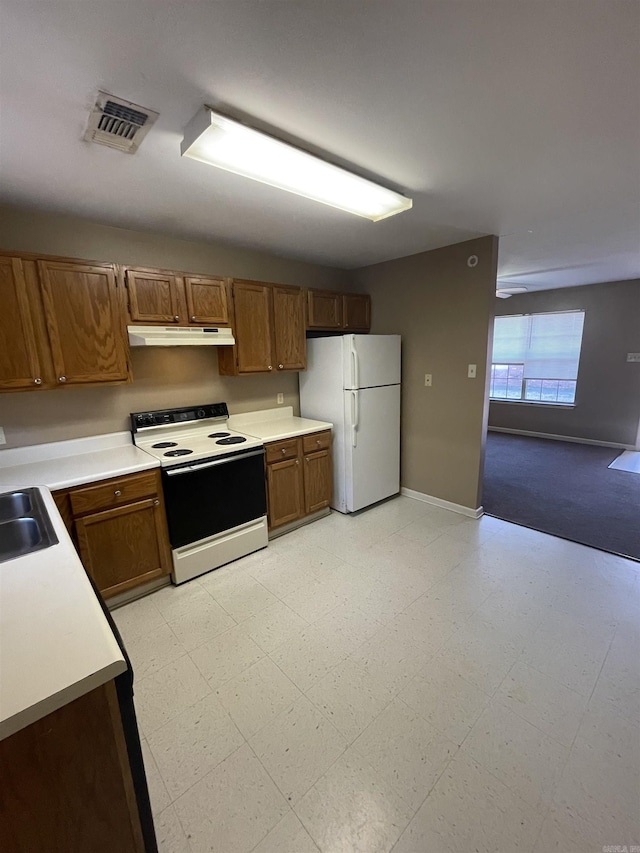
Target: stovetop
{"x":179,"y":436}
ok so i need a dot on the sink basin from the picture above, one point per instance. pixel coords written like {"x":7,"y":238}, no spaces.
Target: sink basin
{"x":19,"y":536}
{"x":14,"y":505}
{"x":25,"y":525}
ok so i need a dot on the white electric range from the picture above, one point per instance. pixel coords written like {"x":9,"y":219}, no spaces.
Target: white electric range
{"x":214,"y":485}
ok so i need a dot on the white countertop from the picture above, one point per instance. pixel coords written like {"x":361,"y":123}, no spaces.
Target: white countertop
{"x":55,"y":641}
{"x":61,"y":464}
{"x":275,"y":424}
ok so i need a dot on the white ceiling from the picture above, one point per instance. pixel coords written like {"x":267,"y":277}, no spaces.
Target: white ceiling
{"x":514,"y":117}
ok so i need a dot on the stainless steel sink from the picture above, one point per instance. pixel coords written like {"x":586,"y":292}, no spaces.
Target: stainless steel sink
{"x":14,"y":505}
{"x":25,"y":525}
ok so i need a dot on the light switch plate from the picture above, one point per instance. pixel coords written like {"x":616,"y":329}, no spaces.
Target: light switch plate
{"x":3,"y":440}
{"x":471,"y":371}
{"x":428,"y":380}
{"x":280,"y":399}
{"x":633,"y":356}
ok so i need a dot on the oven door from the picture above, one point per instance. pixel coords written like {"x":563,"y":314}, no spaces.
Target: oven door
{"x":210,"y":497}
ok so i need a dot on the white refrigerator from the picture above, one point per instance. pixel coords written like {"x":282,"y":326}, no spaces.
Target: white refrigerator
{"x":354,"y":382}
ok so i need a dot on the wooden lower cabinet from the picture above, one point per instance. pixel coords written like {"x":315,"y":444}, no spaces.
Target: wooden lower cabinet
{"x":299,"y":477}
{"x":284,"y":483}
{"x":67,"y":784}
{"x":120,"y":529}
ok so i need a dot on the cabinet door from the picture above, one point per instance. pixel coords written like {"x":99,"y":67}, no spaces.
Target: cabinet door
{"x":356,"y":312}
{"x":284,"y":480}
{"x":324,"y":309}
{"x":290,"y":341}
{"x":153,"y":297}
{"x":318,"y":481}
{"x":84,"y":322}
{"x":207,"y":301}
{"x":124,"y":547}
{"x":252,"y":302}
{"x":19,"y":366}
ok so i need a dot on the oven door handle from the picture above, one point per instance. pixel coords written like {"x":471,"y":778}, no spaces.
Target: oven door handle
{"x":211,"y":464}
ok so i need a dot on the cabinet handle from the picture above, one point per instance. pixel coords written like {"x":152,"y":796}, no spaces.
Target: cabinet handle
{"x":62,"y":378}
{"x":318,"y":441}
{"x":297,"y":461}
{"x":193,"y":319}
{"x":156,"y":503}
{"x":37,"y":381}
{"x":176,"y":318}
{"x":269,"y":367}
{"x":284,"y":450}
{"x":281,"y":367}
{"x":117,"y":493}
{"x":306,"y":459}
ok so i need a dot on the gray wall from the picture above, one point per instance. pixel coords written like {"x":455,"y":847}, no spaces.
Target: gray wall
{"x":608,"y":392}
{"x":162,"y":378}
{"x":444,"y":311}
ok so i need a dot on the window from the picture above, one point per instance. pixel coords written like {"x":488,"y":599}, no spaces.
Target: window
{"x":535,"y":357}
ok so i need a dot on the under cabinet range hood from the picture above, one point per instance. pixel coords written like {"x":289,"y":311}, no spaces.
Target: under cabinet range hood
{"x":180,"y":336}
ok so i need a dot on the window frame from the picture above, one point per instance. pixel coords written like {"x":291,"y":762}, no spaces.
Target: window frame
{"x":522,"y":400}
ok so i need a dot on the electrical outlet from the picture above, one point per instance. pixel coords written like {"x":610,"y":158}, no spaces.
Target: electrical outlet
{"x":633,"y":356}
{"x":280,"y":399}
{"x":471,"y":371}
{"x":427,"y":380}
{"x":3,"y":440}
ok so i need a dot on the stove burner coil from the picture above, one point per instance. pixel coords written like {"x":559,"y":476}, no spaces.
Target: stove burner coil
{"x":180,"y":452}
{"x":233,"y":439}
{"x":218,"y":434}
{"x":165,"y":444}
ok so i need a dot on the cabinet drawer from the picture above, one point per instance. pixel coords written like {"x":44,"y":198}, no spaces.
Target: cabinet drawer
{"x":316,"y":441}
{"x":114,"y":492}
{"x":279,"y":450}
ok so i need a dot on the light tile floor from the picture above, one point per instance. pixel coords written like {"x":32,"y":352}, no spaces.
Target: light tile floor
{"x":405,"y":679}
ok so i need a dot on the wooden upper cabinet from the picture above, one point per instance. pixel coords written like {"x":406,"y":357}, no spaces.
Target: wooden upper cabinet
{"x":19,"y":364}
{"x":290,"y":345}
{"x":356,"y":312}
{"x":153,"y":296}
{"x":324,"y":309}
{"x":207,"y":301}
{"x":84,"y":322}
{"x":253,"y":327}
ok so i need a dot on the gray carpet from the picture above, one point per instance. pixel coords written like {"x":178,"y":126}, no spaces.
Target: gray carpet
{"x":564,"y":489}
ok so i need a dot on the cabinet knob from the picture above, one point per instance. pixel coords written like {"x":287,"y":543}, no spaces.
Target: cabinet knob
{"x":37,"y":381}
{"x":318,"y":441}
{"x":297,"y":461}
{"x":62,"y":378}
{"x":269,"y":367}
{"x":284,"y":450}
{"x":156,"y":503}
{"x":117,"y":493}
{"x":281,"y":367}
{"x":176,"y":318}
{"x":193,"y":319}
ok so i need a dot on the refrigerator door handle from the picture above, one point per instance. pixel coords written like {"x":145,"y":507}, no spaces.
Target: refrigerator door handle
{"x":355,"y":415}
{"x":355,"y":366}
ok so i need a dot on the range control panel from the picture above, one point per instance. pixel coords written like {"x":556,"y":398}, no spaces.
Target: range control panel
{"x":142,"y":420}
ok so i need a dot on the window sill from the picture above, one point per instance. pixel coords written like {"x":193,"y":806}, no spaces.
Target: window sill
{"x":533,"y":403}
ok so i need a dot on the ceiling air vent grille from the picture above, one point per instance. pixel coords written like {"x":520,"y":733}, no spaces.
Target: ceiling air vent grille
{"x":118,"y":124}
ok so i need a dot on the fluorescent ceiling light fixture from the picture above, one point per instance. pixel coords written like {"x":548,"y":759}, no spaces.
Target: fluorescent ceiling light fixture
{"x":506,"y":292}
{"x":220,"y":141}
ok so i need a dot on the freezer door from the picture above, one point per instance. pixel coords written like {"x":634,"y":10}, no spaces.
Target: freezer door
{"x":372,"y":445}
{"x":370,"y":361}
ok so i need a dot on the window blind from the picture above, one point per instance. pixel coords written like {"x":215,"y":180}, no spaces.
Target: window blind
{"x":547,"y":344}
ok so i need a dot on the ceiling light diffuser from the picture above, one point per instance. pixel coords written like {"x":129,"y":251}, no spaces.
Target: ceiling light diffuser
{"x":220,"y":141}
{"x":506,"y":292}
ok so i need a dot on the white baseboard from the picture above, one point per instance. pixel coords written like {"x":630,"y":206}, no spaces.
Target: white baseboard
{"x":571,"y":438}
{"x":429,"y":499}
